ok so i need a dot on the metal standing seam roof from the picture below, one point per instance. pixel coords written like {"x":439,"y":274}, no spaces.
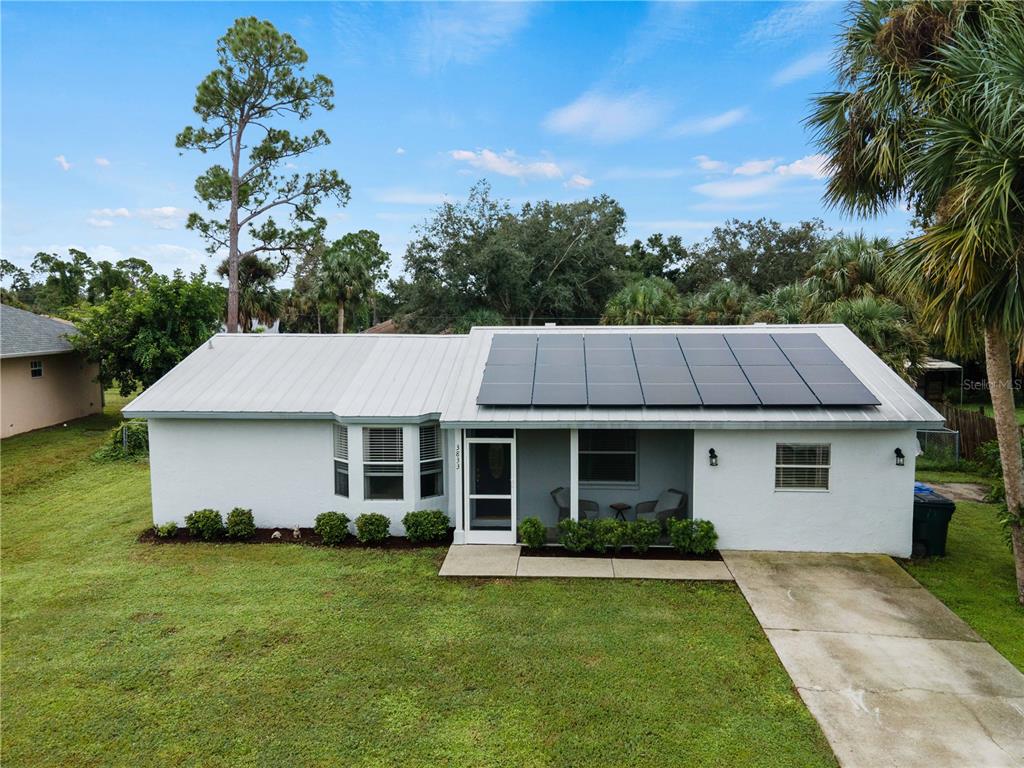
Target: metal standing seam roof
{"x":900,"y":406}
{"x":23,"y":334}
{"x":391,"y":378}
{"x":349,"y":377}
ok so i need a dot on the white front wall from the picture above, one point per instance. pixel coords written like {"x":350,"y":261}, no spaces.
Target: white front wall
{"x":868,"y":507}
{"x":281,"y":469}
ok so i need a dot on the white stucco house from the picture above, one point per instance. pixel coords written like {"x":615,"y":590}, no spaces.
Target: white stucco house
{"x":786,"y":437}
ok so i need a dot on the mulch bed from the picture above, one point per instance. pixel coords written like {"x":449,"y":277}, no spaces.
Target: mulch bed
{"x":659,"y":553}
{"x":307,"y":537}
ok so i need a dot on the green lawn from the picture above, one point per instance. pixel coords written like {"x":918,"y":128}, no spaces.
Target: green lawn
{"x":976,"y":577}
{"x":988,"y":411}
{"x":119,"y":653}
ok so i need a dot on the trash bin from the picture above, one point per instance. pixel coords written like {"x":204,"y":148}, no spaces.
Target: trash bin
{"x":932,"y":514}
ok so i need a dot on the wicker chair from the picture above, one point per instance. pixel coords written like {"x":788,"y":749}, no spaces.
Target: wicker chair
{"x":588,"y":509}
{"x":672,"y":503}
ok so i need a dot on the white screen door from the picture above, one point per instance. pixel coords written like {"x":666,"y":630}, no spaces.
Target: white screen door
{"x":490,"y":471}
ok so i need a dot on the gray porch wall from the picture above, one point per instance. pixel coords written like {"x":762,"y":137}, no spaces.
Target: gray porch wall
{"x":664,"y":460}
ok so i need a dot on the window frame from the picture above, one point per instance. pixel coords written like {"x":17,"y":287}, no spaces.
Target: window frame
{"x":381,"y":466}
{"x":35,"y":369}
{"x":619,"y":483}
{"x":827,"y":467}
{"x":435,"y":460}
{"x":341,"y":459}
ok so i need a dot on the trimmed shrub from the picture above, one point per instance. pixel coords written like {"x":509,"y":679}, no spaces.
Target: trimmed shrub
{"x":240,"y":524}
{"x":704,"y":538}
{"x":532,"y":533}
{"x":372,"y":528}
{"x":575,"y":535}
{"x":332,"y":527}
{"x":167,"y":530}
{"x":643,"y":533}
{"x":425,"y":525}
{"x":609,"y":533}
{"x":693,"y":537}
{"x":205,"y":524}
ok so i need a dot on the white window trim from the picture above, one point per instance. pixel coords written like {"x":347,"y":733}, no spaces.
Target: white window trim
{"x":32,"y":369}
{"x":787,"y":489}
{"x":368,"y":462}
{"x":343,"y":459}
{"x":439,"y":460}
{"x":634,"y":483}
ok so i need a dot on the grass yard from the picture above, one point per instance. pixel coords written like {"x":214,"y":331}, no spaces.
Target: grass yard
{"x":976,"y":577}
{"x":118,"y":653}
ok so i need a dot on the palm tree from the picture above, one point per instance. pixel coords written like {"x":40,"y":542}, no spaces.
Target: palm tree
{"x":259,"y":300}
{"x":933,"y":113}
{"x":648,"y":301}
{"x":724,"y":303}
{"x":786,"y":304}
{"x":848,"y":268}
{"x":345,"y":276}
{"x":884,"y":326}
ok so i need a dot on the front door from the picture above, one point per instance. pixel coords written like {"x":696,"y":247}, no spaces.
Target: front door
{"x":490,"y":490}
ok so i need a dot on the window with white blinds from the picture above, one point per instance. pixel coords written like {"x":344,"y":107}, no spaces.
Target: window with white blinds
{"x":431,"y":462}
{"x":382,"y":463}
{"x":340,"y":460}
{"x":802,"y":466}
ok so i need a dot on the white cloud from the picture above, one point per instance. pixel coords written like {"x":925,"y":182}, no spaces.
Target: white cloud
{"x":99,"y":223}
{"x":119,"y":213}
{"x":578,"y":181}
{"x":607,"y":118}
{"x":808,"y":65}
{"x":507,"y":164}
{"x":787,"y":22}
{"x":732,"y":189}
{"x":163,"y":217}
{"x":630,"y":173}
{"x":102,"y":162}
{"x":812,"y":166}
{"x":711,"y":123}
{"x":464,"y":32}
{"x":664,"y":23}
{"x":755,"y":167}
{"x":62,"y":162}
{"x":404,"y":196}
{"x":400,"y":150}
{"x":705,"y":163}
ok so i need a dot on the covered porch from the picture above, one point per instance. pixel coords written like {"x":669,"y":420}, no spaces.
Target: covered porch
{"x":579,"y":474}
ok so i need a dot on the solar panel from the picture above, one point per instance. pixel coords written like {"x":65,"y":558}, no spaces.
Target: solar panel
{"x":785,"y":394}
{"x":609,"y":357}
{"x":670,"y":394}
{"x":690,"y":341}
{"x":559,"y":394}
{"x":727,"y":394}
{"x":615,"y":394}
{"x":710,"y":357}
{"x":663,"y":369}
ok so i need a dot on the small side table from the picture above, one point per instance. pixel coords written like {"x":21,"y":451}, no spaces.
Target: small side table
{"x":620,"y":510}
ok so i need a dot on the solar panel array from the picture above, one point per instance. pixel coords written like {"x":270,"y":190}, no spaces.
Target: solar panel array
{"x":664,"y":369}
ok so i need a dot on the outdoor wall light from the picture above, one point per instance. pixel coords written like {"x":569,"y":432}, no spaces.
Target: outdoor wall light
{"x":712,"y":457}
{"x":900,"y":458}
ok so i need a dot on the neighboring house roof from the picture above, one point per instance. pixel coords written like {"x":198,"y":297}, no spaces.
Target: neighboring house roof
{"x":396,"y":377}
{"x":23,"y":334}
{"x":934,"y":364}
{"x":388,"y":326}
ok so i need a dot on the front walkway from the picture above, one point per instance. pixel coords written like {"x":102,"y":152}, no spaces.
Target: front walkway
{"x":892,"y":675}
{"x":491,"y":560}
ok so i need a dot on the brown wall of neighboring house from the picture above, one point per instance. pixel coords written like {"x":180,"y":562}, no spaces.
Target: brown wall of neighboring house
{"x":66,"y":390}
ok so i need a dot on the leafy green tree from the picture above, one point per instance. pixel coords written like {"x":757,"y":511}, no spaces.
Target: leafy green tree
{"x":138,"y":335}
{"x":259,"y":300}
{"x":105,"y":278}
{"x":477,"y":317}
{"x":930,"y":112}
{"x":657,"y":256}
{"x":258,"y":81}
{"x":64,"y":280}
{"x":648,"y":301}
{"x":544,"y":261}
{"x":345,"y":274}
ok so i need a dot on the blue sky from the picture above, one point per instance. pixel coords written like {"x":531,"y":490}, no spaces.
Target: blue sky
{"x":688,"y":114}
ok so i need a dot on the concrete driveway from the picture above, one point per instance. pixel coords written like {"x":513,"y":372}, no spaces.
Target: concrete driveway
{"x":893,"y":676}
